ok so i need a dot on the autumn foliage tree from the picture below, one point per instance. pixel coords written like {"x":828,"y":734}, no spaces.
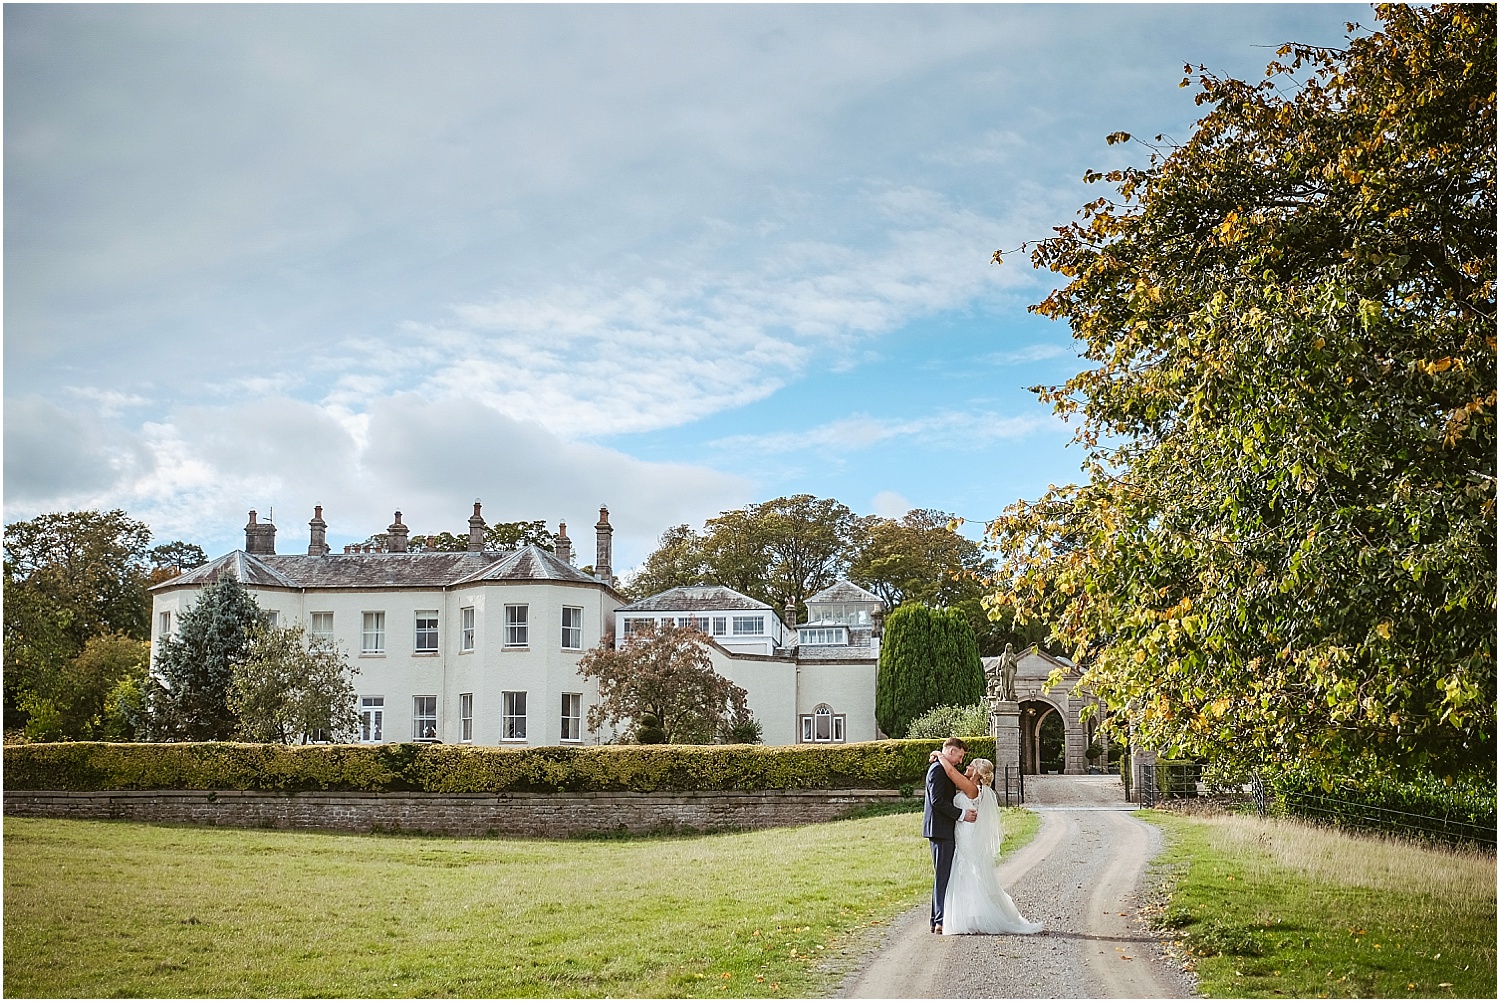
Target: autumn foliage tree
{"x":1285,"y":546}
{"x":667,"y":673}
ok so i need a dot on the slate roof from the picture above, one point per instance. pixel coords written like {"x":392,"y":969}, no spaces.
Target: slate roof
{"x":835,"y":652}
{"x":844,"y":591}
{"x":696,"y":598}
{"x":383,"y":570}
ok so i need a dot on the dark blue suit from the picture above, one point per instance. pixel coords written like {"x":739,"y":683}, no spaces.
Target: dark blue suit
{"x":938,"y":817}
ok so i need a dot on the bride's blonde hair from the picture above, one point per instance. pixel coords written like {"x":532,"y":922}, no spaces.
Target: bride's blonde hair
{"x":986,"y":770}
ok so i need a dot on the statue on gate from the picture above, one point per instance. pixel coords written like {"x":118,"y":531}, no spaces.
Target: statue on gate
{"x":1006,"y":674}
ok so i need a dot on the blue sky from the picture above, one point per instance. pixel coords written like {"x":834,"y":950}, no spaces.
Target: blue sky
{"x":669,"y":259}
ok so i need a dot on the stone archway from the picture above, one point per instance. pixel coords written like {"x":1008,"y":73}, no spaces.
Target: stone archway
{"x":1044,"y":738}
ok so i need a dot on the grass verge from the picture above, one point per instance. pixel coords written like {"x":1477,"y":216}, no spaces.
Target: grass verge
{"x":112,"y":909}
{"x":1267,"y":908}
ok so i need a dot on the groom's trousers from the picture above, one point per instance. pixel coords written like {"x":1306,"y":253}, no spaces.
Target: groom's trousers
{"x":942,"y":862}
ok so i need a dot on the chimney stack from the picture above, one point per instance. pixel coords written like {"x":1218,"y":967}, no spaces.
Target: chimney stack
{"x":563,"y":546}
{"x":602,"y":553}
{"x":260,"y":537}
{"x":396,"y":536}
{"x":317,"y":543}
{"x":476,"y":530}
{"x":791,"y":615}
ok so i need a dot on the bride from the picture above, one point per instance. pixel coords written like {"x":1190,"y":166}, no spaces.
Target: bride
{"x":975,"y":901}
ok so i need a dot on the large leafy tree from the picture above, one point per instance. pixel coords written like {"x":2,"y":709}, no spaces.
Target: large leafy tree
{"x":928,"y":658}
{"x":1285,"y":547}
{"x":500,"y":536}
{"x":920,"y":558}
{"x":291,"y":688}
{"x":678,"y":560}
{"x":70,"y":577}
{"x":188,"y":693}
{"x":73,"y":703}
{"x":669,"y":674}
{"x":778,"y":551}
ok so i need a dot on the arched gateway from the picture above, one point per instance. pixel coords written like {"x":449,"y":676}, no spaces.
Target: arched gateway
{"x":1037,"y":729}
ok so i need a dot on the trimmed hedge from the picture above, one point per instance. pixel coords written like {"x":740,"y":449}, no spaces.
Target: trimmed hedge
{"x":428,"y":768}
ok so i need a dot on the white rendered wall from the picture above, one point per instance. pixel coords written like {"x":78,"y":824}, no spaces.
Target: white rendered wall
{"x":542,"y":669}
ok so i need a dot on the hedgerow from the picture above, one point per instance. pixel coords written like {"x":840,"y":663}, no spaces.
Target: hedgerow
{"x":1417,"y":806}
{"x":101,"y":766}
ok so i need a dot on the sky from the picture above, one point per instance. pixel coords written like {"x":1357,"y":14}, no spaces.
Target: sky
{"x":669,"y":259}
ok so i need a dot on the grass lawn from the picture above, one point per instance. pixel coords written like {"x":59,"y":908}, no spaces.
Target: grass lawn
{"x":117,"y":909}
{"x":1272,"y":908}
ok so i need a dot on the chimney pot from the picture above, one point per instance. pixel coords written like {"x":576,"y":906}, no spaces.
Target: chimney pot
{"x":603,"y":535}
{"x":317,"y":542}
{"x":260,"y":537}
{"x":396,"y":536}
{"x":476,"y":530}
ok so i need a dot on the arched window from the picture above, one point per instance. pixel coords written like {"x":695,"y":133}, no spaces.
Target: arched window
{"x":822,"y":725}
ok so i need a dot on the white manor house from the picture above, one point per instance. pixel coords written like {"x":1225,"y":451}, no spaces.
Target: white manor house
{"x":482,"y":646}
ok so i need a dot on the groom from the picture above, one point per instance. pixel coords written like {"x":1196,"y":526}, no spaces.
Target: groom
{"x":938,"y":818}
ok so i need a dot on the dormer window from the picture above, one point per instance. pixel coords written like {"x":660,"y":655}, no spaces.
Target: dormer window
{"x":823,"y":636}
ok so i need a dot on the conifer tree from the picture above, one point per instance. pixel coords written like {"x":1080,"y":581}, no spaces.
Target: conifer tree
{"x":928,"y":657}
{"x":188,"y":694}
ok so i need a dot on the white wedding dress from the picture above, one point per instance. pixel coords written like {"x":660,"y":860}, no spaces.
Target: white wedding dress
{"x":975,"y":901}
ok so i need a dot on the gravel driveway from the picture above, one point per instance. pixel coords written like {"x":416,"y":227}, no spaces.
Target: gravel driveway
{"x":1080,"y":876}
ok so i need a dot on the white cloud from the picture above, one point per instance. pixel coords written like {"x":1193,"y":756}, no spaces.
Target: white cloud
{"x":614,"y":356}
{"x":889,"y":504}
{"x":65,"y":454}
{"x":949,"y":429}
{"x":1030,"y":353}
{"x":196,"y":475}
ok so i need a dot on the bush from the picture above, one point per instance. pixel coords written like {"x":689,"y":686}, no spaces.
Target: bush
{"x":928,"y":658}
{"x":1416,"y":806}
{"x":90,"y":765}
{"x":951,"y":721}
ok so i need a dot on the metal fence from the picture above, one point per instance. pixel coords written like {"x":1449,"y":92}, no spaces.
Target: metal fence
{"x":1010,"y":786}
{"x":1343,"y":813}
{"x":1166,"y":781}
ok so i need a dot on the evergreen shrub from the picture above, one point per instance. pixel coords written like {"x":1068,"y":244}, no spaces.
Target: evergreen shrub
{"x":928,"y":658}
{"x":951,"y":721}
{"x":435,"y":768}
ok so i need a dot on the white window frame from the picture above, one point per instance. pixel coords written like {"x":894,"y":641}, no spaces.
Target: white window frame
{"x":721,"y":626}
{"x":429,"y":633}
{"x":316,"y":619}
{"x":813,"y":723}
{"x":419,"y":732}
{"x":372,"y":634}
{"x":513,"y":724}
{"x":466,"y":629}
{"x":518,"y":625}
{"x":371,"y":720}
{"x":164,"y":623}
{"x":271,"y":617}
{"x":572,"y":633}
{"x":466,"y":717}
{"x":572,"y":716}
{"x":742,"y":626}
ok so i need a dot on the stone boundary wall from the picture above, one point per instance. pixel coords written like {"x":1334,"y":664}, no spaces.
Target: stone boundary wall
{"x":547,"y":815}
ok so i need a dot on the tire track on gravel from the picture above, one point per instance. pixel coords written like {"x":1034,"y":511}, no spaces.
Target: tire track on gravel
{"x":1080,"y":876}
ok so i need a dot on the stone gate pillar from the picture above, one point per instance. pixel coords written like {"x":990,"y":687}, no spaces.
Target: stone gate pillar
{"x":1005,"y":726}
